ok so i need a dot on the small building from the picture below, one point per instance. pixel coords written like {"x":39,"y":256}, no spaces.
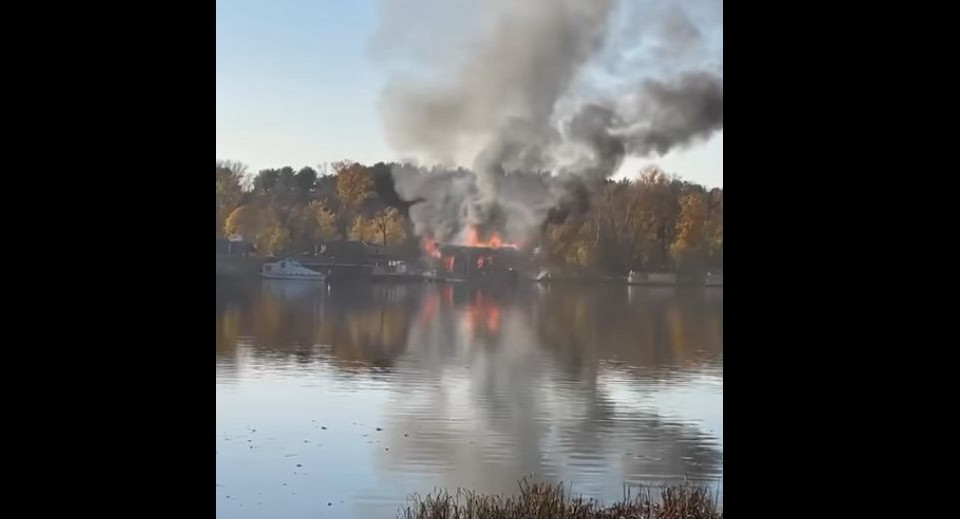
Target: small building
{"x":355,"y":259}
{"x":480,"y":263}
{"x":350,"y":252}
{"x":235,"y":247}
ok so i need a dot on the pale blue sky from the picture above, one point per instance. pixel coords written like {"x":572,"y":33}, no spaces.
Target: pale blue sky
{"x":296,"y":86}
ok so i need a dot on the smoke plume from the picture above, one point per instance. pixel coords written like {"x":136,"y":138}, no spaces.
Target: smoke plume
{"x":542,"y":99}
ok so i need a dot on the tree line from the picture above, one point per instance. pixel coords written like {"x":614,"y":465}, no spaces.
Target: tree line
{"x":654,"y":222}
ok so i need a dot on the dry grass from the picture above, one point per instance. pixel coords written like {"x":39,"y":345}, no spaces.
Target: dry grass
{"x":542,"y":501}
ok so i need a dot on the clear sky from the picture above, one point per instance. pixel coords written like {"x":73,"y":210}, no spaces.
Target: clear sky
{"x":296,"y":87}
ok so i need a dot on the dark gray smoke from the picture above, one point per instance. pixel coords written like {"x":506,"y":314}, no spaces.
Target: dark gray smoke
{"x":507,"y":87}
{"x":652,"y":120}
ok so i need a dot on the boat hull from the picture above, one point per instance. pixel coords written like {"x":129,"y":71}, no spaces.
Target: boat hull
{"x":290,"y":270}
{"x":293,"y":277}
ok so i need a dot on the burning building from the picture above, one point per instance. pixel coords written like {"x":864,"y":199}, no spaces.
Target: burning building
{"x":480,"y":263}
{"x":477,"y":259}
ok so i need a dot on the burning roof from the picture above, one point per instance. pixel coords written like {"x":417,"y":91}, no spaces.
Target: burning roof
{"x":472,"y":238}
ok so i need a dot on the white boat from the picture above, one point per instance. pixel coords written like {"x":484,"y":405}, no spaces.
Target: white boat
{"x":290,"y":269}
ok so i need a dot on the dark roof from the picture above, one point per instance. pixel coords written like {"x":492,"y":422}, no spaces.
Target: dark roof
{"x":340,"y":246}
{"x":454,"y":249}
{"x":234,"y":247}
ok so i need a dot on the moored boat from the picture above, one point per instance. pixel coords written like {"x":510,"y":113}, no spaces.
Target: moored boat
{"x":290,"y":269}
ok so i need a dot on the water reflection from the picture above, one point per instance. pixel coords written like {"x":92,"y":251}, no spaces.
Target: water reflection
{"x":597,"y":386}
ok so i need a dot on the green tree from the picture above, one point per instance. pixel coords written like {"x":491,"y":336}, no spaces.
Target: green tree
{"x":306,"y":180}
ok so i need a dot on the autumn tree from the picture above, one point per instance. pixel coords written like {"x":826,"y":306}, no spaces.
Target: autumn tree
{"x":688,"y":250}
{"x":388,"y":226}
{"x":354,"y":187}
{"x":326,"y":222}
{"x":312,"y":224}
{"x":275,"y":241}
{"x":230,"y":177}
{"x":260,"y":227}
{"x":656,"y":206}
{"x":569,"y":244}
{"x":246,"y":221}
{"x":354,"y":184}
{"x":714,"y":230}
{"x":360,"y":229}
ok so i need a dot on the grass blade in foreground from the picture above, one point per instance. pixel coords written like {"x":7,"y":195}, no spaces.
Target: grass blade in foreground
{"x":542,"y":501}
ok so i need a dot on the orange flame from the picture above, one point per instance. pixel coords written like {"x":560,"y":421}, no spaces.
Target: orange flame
{"x":493,"y":319}
{"x":430,"y":247}
{"x":494,"y":242}
{"x":430,"y":305}
{"x":482,"y":312}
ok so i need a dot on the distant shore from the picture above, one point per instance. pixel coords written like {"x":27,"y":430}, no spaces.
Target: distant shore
{"x":230,"y":267}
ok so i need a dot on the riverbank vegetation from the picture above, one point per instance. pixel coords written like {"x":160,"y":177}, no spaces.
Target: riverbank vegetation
{"x":541,"y":500}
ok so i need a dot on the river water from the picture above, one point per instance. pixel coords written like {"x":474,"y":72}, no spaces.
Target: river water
{"x":341,"y":401}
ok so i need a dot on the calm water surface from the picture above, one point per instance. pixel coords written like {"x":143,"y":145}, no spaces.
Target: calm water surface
{"x":419,"y":386}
